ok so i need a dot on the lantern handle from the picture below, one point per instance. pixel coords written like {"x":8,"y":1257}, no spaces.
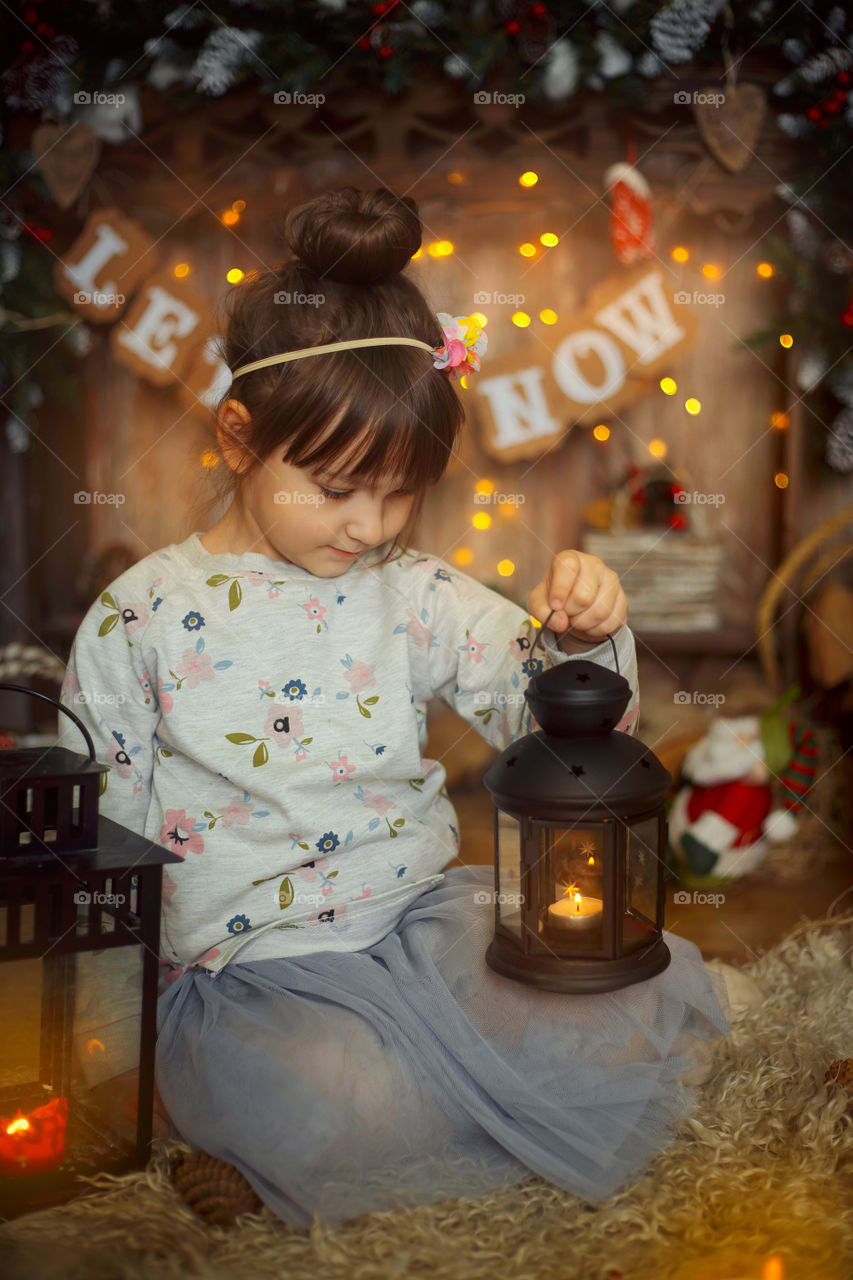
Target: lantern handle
{"x":609,"y":637}
{"x":19,"y":688}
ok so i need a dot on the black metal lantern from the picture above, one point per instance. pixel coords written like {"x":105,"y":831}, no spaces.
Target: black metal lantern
{"x":79,"y":946}
{"x":580,"y":840}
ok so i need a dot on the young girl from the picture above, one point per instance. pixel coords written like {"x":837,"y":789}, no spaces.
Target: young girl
{"x":328,"y":1024}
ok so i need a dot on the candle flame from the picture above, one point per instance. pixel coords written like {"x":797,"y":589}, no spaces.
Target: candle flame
{"x":18,"y":1125}
{"x":773,"y":1268}
{"x":577,"y":902}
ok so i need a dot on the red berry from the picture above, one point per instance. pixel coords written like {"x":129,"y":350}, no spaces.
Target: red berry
{"x":513,"y":28}
{"x":843,"y":77}
{"x":27,"y":46}
{"x":813,"y":114}
{"x":385,"y":51}
{"x":30,"y":16}
{"x":847,"y":319}
{"x":539,"y":10}
{"x":832,"y":108}
{"x":44,"y":30}
{"x":364,"y":42}
{"x":379,"y":9}
{"x":677,"y":521}
{"x":840,"y":95}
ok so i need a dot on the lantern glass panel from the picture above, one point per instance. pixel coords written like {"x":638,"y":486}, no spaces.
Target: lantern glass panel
{"x":68,"y":1061}
{"x":508,"y":837}
{"x":639,"y":921}
{"x":571,"y":888}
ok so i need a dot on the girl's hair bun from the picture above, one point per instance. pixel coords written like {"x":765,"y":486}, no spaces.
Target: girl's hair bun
{"x":355,"y":237}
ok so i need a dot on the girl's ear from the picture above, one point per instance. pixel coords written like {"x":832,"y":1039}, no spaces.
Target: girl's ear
{"x":232,"y":426}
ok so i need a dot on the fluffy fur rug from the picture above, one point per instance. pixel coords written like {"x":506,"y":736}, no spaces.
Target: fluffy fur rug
{"x":758,"y":1185}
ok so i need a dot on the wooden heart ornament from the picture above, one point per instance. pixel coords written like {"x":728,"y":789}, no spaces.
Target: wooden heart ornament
{"x":67,"y":156}
{"x":730,"y":129}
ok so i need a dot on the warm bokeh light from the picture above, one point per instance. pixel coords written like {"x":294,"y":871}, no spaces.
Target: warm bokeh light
{"x":480,"y":318}
{"x":209,"y":459}
{"x":549,"y":239}
{"x":527,"y":250}
{"x":780,"y":421}
{"x":710,"y":271}
{"x":766,"y":270}
{"x":230,"y":217}
{"x":481,"y":520}
{"x":693,"y":406}
{"x":463,"y":555}
{"x":548,"y":316}
{"x":419,"y":254}
{"x":786,"y":340}
{"x":484,"y":486}
{"x":680,"y":254}
{"x":774,"y":1268}
{"x":456,"y":177}
{"x":238,"y":206}
{"x":528,"y":179}
{"x":463,"y":382}
{"x":235,"y":275}
{"x":440,"y":248}
{"x":601,"y":432}
{"x":522,"y":319}
{"x":780,"y":480}
{"x":657,"y":448}
{"x":668,"y":386}
{"x":182,"y":269}
{"x":506,"y":568}
{"x":508,"y":508}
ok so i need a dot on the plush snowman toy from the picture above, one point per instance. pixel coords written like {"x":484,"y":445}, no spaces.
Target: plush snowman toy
{"x":722,"y":823}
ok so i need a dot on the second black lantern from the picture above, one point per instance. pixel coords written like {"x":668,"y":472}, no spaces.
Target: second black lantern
{"x":580,"y":839}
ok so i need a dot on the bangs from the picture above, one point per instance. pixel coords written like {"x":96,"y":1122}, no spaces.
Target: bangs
{"x":381,"y":413}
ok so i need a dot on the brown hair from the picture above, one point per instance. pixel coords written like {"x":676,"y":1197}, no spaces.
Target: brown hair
{"x":343,"y":282}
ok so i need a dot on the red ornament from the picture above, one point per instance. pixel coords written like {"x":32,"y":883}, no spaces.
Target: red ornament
{"x":28,"y":47}
{"x":43,"y":234}
{"x":364,"y":42}
{"x":379,"y":9}
{"x":677,"y":521}
{"x":539,"y":10}
{"x":631,"y":219}
{"x":512,"y":28}
{"x":44,"y":30}
{"x":30,"y":16}
{"x":813,"y":114}
{"x":847,"y":319}
{"x":832,"y":107}
{"x":843,"y":77}
{"x":385,"y":51}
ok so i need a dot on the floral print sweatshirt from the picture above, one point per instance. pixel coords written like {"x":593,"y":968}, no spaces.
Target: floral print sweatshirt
{"x":269,"y":726}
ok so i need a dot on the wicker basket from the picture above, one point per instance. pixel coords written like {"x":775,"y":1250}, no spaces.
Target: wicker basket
{"x":671,"y":580}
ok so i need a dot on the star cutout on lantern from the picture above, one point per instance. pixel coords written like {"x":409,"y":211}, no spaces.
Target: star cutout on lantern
{"x":582,"y":676}
{"x":578,"y":770}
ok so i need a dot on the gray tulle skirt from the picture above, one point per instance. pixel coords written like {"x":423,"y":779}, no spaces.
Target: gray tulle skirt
{"x":345,"y":1083}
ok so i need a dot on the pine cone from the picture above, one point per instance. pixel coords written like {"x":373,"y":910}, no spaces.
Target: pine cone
{"x":213,"y":1189}
{"x":840,"y":1073}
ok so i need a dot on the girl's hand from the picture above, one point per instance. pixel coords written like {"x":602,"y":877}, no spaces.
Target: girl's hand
{"x":587,"y":595}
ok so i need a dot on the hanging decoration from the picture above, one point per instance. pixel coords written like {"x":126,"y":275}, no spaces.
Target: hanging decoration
{"x":67,"y":156}
{"x":631,"y":219}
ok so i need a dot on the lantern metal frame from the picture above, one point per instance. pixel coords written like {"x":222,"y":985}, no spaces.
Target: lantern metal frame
{"x":56,"y":903}
{"x":546,"y":782}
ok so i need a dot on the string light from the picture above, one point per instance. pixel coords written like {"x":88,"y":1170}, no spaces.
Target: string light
{"x":484,"y":487}
{"x":766,"y":270}
{"x":440,"y":248}
{"x":522,"y":319}
{"x":238,"y":206}
{"x":693,"y":406}
{"x":668,"y":386}
{"x":419,"y":254}
{"x":463,"y":555}
{"x":182,"y":269}
{"x":549,"y":239}
{"x":657,"y":448}
{"x":508,"y":508}
{"x":548,"y":316}
{"x":786,"y":340}
{"x":780,"y":421}
{"x":482,"y":520}
{"x":527,"y":250}
{"x":209,"y":459}
{"x":601,"y":432}
{"x":480,"y":318}
{"x":780,"y":480}
{"x":234,"y":276}
{"x":528,"y":179}
{"x":710,"y":271}
{"x":230,"y":217}
{"x":456,"y":178}
{"x":680,"y":254}
{"x":506,"y":568}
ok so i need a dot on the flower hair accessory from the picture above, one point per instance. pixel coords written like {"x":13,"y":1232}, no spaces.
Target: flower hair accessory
{"x":466,"y":342}
{"x":460,"y":354}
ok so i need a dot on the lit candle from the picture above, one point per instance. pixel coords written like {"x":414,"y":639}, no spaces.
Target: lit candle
{"x":34,"y":1143}
{"x":575,"y":912}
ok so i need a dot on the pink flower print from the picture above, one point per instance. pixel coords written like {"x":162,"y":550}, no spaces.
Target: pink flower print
{"x":381,"y":804}
{"x":194,"y":668}
{"x":520,"y":647}
{"x":256,"y":577}
{"x":327,"y":888}
{"x":170,"y":971}
{"x":70,"y":687}
{"x":134,"y":615}
{"x":629,"y":719}
{"x":315,"y":610}
{"x":367,"y":891}
{"x":166,"y":700}
{"x":145,"y":685}
{"x":117,"y":756}
{"x":474,"y":649}
{"x":282,"y":723}
{"x":360,"y":676}
{"x":273,"y":593}
{"x":310,"y":870}
{"x":341,"y":769}
{"x":238,"y":811}
{"x":210,"y":954}
{"x":420,"y":635}
{"x":177,"y":831}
